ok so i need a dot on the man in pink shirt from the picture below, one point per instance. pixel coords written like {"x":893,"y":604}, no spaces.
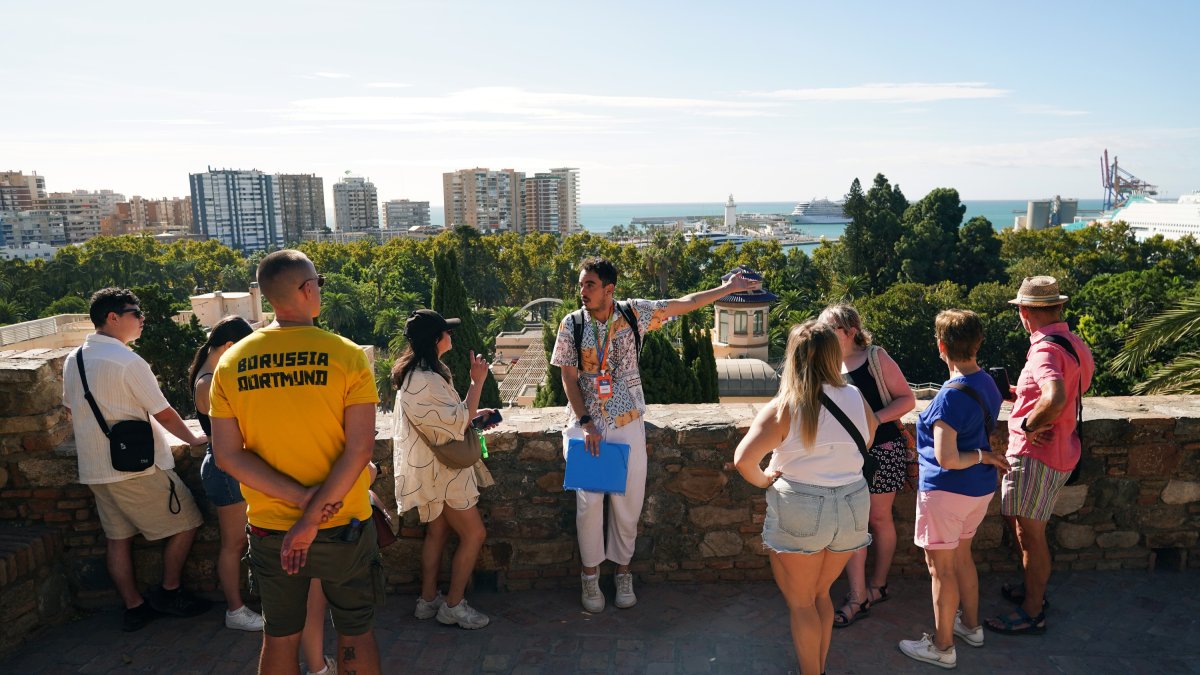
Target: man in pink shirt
{"x":1043,"y":442}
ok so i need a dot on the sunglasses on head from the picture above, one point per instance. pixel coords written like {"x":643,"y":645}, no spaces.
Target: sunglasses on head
{"x":135,"y":311}
{"x":320,"y":279}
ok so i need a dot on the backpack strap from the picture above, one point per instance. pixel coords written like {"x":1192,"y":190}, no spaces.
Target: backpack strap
{"x":988,"y":423}
{"x":577,"y":329}
{"x":1063,"y":343}
{"x":626,"y":310}
{"x":841,"y":417}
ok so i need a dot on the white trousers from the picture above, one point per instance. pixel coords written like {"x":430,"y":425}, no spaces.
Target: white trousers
{"x":624,"y":510}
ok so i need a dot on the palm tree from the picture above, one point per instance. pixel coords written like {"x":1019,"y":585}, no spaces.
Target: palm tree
{"x":383,"y":379}
{"x":1182,"y":374}
{"x":505,"y":318}
{"x":338,"y":311}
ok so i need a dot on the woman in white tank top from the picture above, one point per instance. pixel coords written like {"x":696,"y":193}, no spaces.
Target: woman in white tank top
{"x":817,"y":500}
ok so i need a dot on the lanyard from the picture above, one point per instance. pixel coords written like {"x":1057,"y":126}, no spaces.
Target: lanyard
{"x":602,"y":354}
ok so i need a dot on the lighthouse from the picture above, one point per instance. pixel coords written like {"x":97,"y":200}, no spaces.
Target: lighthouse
{"x":730,"y":215}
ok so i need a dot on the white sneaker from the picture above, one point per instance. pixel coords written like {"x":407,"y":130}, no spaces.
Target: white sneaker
{"x":462,"y":614}
{"x":924,"y":650}
{"x":971,"y":637}
{"x":244,"y":618}
{"x":329,"y":669}
{"x":428,"y":610}
{"x":625,"y":597}
{"x":593,"y":599}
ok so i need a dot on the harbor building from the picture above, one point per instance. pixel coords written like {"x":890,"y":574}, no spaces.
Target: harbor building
{"x":355,"y":205}
{"x":302,"y":198}
{"x":240,"y":209}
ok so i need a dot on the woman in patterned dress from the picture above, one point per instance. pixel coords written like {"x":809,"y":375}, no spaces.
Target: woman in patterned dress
{"x":445,"y":498}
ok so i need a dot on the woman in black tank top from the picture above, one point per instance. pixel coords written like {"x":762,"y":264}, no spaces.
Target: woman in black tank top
{"x":886,"y":468}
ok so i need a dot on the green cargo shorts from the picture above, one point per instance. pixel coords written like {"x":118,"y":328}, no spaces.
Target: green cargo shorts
{"x":351,"y":574}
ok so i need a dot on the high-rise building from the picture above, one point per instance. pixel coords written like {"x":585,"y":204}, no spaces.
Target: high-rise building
{"x":25,"y":228}
{"x":540,"y":197}
{"x":18,"y":192}
{"x":82,"y":211}
{"x":355,"y":205}
{"x":401,"y":214}
{"x":302,"y":197}
{"x":489,"y":201}
{"x":170,"y":214}
{"x":568,"y":199}
{"x":238,"y":208}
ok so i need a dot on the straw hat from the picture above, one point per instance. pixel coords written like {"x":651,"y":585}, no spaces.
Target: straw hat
{"x":1038,"y":292}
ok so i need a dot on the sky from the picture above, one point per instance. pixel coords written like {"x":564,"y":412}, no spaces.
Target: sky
{"x":654,"y":101}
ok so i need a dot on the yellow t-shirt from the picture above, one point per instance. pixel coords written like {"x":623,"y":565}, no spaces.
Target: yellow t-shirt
{"x":288,"y":388}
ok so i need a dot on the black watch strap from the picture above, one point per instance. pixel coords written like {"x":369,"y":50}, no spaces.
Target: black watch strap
{"x":586,"y":419}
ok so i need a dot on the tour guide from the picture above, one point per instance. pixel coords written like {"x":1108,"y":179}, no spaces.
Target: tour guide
{"x":605,"y":402}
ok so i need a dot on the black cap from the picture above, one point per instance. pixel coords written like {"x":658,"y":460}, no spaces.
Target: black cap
{"x":426,"y":324}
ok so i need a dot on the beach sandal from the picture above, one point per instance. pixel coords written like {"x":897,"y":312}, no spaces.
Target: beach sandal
{"x":843,"y":618}
{"x":1017,"y":623}
{"x":882,"y":591}
{"x":1015,"y":593}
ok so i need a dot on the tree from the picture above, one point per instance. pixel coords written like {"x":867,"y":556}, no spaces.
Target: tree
{"x":665,"y":379}
{"x":450,"y":300}
{"x":708,"y":389}
{"x":550,"y":393}
{"x":168,"y":346}
{"x":68,"y":304}
{"x":977,"y":257}
{"x":926,"y":250}
{"x":1181,"y":375}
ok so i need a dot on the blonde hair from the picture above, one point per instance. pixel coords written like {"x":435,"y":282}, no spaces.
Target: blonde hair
{"x":813,"y":359}
{"x":845,"y":316}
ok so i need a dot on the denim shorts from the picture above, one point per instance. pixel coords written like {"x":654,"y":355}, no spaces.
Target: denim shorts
{"x":221,"y":488}
{"x":803,"y":518}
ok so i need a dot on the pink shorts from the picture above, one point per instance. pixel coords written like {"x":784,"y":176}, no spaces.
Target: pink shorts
{"x":945,"y":518}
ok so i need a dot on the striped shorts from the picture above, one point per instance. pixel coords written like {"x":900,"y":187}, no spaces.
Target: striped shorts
{"x":1030,"y":489}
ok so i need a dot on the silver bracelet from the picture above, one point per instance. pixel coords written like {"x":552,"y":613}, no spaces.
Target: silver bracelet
{"x":980,"y":451}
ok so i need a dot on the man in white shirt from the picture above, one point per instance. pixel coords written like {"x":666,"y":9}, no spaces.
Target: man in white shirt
{"x":154,"y":502}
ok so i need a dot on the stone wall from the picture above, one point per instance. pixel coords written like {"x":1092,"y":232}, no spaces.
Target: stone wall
{"x":1138,"y":506}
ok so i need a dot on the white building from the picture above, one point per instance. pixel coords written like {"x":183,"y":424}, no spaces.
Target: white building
{"x":355,"y":205}
{"x":26,"y":228}
{"x":487,"y":200}
{"x":541,"y":199}
{"x":241,"y":209}
{"x":82,"y":211}
{"x":1173,"y":220}
{"x":402,"y":214}
{"x":34,"y":251}
{"x":568,"y":199}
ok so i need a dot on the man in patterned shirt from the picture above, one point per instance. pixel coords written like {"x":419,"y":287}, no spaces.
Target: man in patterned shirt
{"x":605,"y":402}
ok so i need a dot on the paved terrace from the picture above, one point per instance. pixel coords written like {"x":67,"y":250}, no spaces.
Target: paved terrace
{"x":1100,"y":622}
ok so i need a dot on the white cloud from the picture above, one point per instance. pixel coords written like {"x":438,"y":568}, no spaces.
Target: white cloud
{"x":909,"y":92}
{"x":1052,"y":110}
{"x":388,"y":85}
{"x":327,"y":75}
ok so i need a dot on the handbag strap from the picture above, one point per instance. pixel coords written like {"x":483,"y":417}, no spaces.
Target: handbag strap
{"x":876,"y":370}
{"x":988,"y":423}
{"x":87,"y":393}
{"x":417,"y":428}
{"x":845,"y":421}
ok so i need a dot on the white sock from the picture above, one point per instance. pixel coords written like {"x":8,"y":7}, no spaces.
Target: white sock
{"x":589,"y":577}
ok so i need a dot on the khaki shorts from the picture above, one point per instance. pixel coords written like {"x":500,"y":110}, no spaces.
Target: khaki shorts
{"x":157,"y":505}
{"x":351,"y":574}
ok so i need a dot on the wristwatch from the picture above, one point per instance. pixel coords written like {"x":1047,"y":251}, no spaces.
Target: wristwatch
{"x":585,"y":420}
{"x":1024,"y":424}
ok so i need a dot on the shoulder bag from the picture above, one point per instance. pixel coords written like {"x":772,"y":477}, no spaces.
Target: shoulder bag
{"x":461,"y":454}
{"x":130,"y":442}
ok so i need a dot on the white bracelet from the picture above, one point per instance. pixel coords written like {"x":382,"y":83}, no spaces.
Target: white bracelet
{"x":980,"y":451}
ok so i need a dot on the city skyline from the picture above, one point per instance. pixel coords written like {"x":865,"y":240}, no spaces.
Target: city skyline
{"x":663,"y":103}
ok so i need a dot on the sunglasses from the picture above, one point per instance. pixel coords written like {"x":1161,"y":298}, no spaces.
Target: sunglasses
{"x":320,"y":279}
{"x":135,"y":311}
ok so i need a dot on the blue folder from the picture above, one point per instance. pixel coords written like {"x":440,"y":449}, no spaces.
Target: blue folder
{"x":604,"y":473}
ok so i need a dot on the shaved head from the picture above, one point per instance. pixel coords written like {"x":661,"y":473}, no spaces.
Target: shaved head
{"x":281,"y":274}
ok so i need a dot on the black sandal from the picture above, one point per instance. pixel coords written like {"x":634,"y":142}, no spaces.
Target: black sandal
{"x":1015,"y":593}
{"x":1017,"y":623}
{"x":842,"y":618}
{"x":883,"y":594}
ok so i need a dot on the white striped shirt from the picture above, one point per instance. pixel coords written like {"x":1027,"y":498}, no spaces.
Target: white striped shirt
{"x":124,"y":388}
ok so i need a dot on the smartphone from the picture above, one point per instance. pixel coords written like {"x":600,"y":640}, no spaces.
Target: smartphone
{"x":1000,"y":377}
{"x":482,"y":421}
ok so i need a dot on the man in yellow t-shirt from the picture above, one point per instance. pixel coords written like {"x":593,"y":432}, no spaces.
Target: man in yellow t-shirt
{"x":293,"y":419}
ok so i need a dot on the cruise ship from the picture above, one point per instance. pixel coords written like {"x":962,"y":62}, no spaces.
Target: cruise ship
{"x":818,"y":212}
{"x":1148,"y":216}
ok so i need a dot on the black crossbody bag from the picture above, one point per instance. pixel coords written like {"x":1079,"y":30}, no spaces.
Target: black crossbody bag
{"x":130,"y":442}
{"x":846,"y":423}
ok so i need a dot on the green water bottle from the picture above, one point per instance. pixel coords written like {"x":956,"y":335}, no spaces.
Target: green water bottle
{"x":483,"y":445}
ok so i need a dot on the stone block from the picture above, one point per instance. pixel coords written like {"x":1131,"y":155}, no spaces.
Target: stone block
{"x":1176,"y":492}
{"x":533,"y":554}
{"x":1072,"y":536}
{"x":51,"y":472}
{"x":551,"y":482}
{"x":708,"y":517}
{"x":721,"y":544}
{"x":1115,"y":493}
{"x":1070,"y":499}
{"x":698,"y":483}
{"x":1161,"y":459}
{"x":1118,"y":539}
{"x":540,"y":451}
{"x":1180,"y":539}
{"x":663,"y":509}
{"x":1162,"y":517}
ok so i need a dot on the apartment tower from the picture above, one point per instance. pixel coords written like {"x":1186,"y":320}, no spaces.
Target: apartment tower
{"x":302,"y":197}
{"x":240,"y":209}
{"x":355,"y":205}
{"x":489,"y":201}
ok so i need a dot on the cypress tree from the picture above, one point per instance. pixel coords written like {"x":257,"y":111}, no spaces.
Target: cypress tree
{"x":550,"y":393}
{"x":687,"y":340}
{"x":665,"y":379}
{"x":450,"y":300}
{"x":708,"y":389}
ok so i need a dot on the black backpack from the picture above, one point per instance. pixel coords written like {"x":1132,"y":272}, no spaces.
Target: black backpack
{"x":577,"y":324}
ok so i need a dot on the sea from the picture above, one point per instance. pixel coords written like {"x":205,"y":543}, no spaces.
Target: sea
{"x":600,"y":218}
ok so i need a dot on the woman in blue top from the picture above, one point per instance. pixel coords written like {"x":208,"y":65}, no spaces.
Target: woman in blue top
{"x":958,"y":478}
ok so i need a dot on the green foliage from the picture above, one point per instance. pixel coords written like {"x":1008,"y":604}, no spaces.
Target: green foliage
{"x":901,"y":320}
{"x":168,"y":346}
{"x":1180,"y":375}
{"x":977,"y":257}
{"x":665,"y":378}
{"x":870,"y":241}
{"x":927,"y":247}
{"x":68,"y":304}
{"x":450,"y":300}
{"x":708,"y":389}
{"x":550,"y":393}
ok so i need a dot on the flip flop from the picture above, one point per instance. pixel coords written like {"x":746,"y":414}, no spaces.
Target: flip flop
{"x":1017,"y":623}
{"x":1015,"y":593}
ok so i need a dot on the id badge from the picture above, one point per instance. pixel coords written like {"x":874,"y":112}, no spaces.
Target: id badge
{"x":604,"y":387}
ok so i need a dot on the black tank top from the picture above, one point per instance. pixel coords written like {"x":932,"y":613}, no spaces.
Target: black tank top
{"x":861,"y":378}
{"x":205,"y":423}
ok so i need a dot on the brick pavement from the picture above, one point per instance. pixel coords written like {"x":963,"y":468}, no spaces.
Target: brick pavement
{"x":1101,"y":622}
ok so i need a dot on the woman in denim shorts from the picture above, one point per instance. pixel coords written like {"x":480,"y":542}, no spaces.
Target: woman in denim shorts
{"x":817,"y":500}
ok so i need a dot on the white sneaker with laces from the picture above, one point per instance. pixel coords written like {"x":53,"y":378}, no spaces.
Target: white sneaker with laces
{"x":924,"y":650}
{"x":625,"y":597}
{"x":971,"y":637}
{"x":462,"y":614}
{"x":593,"y":599}
{"x":428,"y":610}
{"x":244,"y":618}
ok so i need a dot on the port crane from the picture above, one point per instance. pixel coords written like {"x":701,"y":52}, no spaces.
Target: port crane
{"x":1120,"y":185}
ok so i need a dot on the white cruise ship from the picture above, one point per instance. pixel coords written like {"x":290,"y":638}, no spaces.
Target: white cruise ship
{"x":818,"y":212}
{"x":1148,"y":216}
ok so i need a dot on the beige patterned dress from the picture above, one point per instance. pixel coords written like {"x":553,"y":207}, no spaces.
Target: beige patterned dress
{"x":422,"y":482}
